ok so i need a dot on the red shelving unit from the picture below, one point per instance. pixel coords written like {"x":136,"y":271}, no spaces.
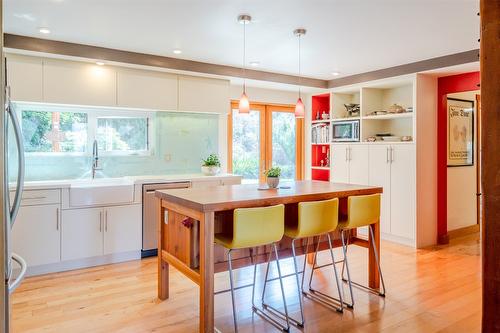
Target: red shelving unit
{"x":319,"y":151}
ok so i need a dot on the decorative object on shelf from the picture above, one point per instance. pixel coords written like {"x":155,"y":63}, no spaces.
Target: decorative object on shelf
{"x":211,"y":165}
{"x":407,"y":138}
{"x":377,"y":113}
{"x":409,"y":109}
{"x":273,"y":177}
{"x":325,"y":115}
{"x":460,"y":132}
{"x":322,"y":163}
{"x":328,"y":157}
{"x":371,"y":139}
{"x":244,"y":105}
{"x":317,"y":116}
{"x":352,"y":109}
{"x":299,"y":107}
{"x":396,"y":108}
{"x":391,"y":138}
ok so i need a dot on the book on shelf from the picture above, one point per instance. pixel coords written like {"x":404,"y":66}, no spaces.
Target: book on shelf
{"x":320,"y":133}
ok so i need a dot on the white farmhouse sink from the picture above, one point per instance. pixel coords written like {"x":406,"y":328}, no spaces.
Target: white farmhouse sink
{"x":102,"y":191}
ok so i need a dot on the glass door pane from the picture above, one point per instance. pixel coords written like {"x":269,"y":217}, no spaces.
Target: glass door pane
{"x":284,"y":143}
{"x":246,"y":143}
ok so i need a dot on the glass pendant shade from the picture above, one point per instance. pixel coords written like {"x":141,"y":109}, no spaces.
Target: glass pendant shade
{"x":244,"y":106}
{"x":299,"y":109}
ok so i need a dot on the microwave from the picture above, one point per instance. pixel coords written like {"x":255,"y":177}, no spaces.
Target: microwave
{"x":345,"y":131}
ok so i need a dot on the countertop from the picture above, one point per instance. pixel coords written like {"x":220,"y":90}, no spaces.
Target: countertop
{"x":136,"y":180}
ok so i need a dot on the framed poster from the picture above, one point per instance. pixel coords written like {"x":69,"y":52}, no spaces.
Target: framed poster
{"x":460,"y":132}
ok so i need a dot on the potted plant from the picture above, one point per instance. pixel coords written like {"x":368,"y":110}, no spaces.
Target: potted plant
{"x":273,"y":177}
{"x":211,"y":165}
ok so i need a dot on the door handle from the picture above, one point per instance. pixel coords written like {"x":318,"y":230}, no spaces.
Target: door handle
{"x":106,"y":221}
{"x":346,"y":154}
{"x":20,"y":159}
{"x":17,"y":258}
{"x":100,"y":221}
{"x":392,"y":154}
{"x":350,"y":153}
{"x":387,"y":154}
{"x":57,"y":219}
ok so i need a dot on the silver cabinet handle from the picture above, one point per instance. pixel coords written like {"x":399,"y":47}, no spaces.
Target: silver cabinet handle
{"x":106,"y":220}
{"x":57,"y":218}
{"x":350,"y":153}
{"x":392,"y":154}
{"x":346,"y":154}
{"x":387,"y":154}
{"x":100,"y":221}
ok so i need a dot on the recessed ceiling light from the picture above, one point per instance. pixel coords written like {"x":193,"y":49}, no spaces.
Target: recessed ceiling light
{"x":335,"y":73}
{"x":100,"y":63}
{"x":254,"y":63}
{"x":177,"y":51}
{"x":44,"y":30}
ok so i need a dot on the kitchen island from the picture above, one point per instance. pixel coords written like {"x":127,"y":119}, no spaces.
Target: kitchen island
{"x":194,"y":215}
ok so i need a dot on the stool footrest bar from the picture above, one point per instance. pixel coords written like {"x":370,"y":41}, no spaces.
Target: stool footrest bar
{"x":280,"y":314}
{"x":272,"y":320}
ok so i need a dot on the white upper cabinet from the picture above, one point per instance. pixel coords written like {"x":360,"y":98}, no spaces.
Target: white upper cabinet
{"x":71,"y":82}
{"x":146,"y":89}
{"x":24,"y":76}
{"x":198,"y":94}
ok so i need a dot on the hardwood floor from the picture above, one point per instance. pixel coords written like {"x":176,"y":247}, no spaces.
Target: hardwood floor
{"x":431,"y":290}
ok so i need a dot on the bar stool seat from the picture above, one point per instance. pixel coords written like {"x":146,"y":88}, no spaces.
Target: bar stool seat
{"x":254,"y":227}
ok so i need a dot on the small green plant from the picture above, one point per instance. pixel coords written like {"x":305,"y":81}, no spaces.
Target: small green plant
{"x":273,"y":172}
{"x":211,"y":160}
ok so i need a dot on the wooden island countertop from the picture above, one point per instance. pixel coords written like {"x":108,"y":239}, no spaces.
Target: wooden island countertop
{"x":206,"y":206}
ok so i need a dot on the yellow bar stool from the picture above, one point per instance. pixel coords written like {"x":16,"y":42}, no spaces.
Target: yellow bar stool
{"x":254,"y":227}
{"x":362,"y":211}
{"x":315,"y":218}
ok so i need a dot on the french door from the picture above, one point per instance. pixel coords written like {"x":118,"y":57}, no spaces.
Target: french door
{"x":268,"y":136}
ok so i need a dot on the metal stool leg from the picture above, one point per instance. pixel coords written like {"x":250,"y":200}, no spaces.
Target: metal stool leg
{"x":346,"y":265}
{"x":232,"y":290}
{"x":299,"y":289}
{"x":322,"y":297}
{"x":378,"y":263}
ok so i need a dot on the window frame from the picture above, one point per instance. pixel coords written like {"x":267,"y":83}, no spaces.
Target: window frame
{"x":93,"y":113}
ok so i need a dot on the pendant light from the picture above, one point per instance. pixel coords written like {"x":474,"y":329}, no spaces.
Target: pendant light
{"x":244,"y":105}
{"x":299,"y":106}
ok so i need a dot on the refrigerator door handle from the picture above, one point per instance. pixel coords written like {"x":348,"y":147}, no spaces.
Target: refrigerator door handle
{"x":20,"y":162}
{"x":14,"y":284}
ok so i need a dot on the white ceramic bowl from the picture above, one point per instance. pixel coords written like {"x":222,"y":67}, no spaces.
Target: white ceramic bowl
{"x":210,"y":170}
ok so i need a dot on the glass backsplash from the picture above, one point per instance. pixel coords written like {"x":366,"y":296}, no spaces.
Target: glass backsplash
{"x":181,"y":140}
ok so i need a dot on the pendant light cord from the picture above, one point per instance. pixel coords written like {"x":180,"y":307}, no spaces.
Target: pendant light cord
{"x":300,"y":35}
{"x":244,"y":55}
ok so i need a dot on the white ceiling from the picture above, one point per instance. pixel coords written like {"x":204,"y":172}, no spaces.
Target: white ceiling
{"x":350,"y":36}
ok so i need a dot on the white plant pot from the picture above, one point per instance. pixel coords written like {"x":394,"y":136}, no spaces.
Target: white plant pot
{"x":273,"y":182}
{"x":210,"y":170}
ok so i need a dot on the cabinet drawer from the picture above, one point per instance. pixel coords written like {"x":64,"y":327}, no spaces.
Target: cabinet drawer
{"x":38,"y":197}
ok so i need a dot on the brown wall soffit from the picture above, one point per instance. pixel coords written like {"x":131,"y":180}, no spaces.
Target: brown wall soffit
{"x":102,"y":53}
{"x":414,"y":67}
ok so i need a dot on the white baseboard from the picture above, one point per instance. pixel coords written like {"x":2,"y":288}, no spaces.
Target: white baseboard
{"x":82,"y":263}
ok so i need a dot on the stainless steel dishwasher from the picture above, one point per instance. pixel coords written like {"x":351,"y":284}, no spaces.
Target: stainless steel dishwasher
{"x":150,"y":215}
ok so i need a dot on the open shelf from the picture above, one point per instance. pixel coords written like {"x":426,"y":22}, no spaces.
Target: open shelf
{"x":339,"y":99}
{"x":320,"y":148}
{"x":390,"y":116}
{"x":321,"y":167}
{"x":320,"y":121}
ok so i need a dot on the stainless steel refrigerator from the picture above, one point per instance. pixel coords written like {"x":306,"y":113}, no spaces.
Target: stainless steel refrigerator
{"x":13,"y":267}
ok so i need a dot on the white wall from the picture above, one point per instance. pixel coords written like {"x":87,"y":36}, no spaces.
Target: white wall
{"x":462,"y":208}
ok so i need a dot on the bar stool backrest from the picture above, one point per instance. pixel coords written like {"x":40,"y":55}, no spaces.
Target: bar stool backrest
{"x":258,"y":226}
{"x":318,"y":217}
{"x":362,"y":210}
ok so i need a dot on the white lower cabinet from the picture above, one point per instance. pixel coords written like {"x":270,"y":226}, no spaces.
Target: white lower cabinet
{"x":82,"y":233}
{"x":92,"y":232}
{"x":391,"y":166}
{"x":36,"y":234}
{"x":122,"y":229}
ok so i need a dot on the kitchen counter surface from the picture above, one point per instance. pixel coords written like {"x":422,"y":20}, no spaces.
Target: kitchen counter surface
{"x":137,"y":180}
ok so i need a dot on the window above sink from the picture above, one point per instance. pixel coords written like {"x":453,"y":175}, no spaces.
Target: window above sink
{"x":67,"y":130}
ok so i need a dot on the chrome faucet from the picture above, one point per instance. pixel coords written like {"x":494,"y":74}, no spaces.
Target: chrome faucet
{"x":95,"y":159}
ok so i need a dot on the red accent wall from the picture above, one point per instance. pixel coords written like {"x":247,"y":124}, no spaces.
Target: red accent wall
{"x":447,"y":85}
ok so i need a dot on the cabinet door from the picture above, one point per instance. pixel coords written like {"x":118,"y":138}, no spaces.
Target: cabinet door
{"x":24,"y":76}
{"x":82,"y":233}
{"x":146,"y":89}
{"x":203,"y":94}
{"x":36,"y":234}
{"x":403,"y":191}
{"x":380,"y":175}
{"x":70,"y":82}
{"x":122,"y":229}
{"x":339,"y":164}
{"x":358,"y":164}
